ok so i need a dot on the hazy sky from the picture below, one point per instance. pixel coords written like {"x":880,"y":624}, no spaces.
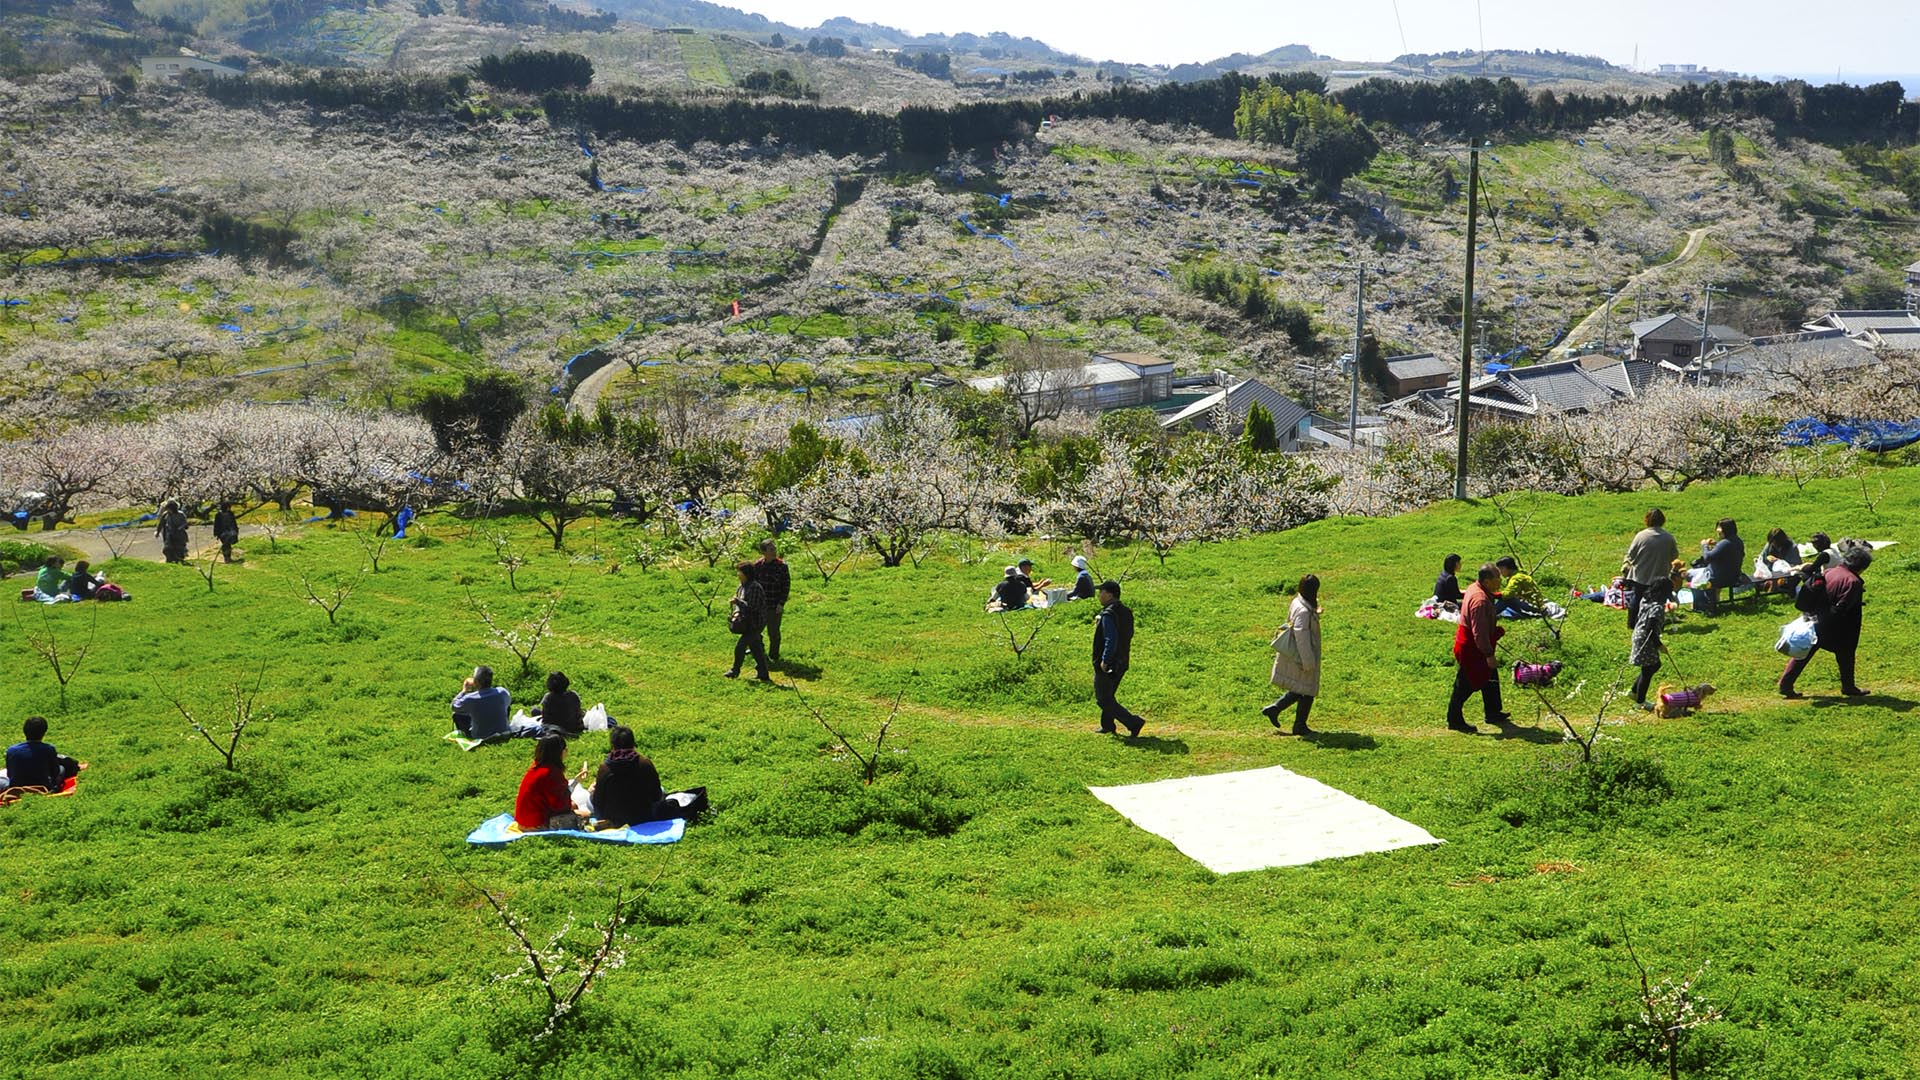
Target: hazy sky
{"x":1753,"y":36}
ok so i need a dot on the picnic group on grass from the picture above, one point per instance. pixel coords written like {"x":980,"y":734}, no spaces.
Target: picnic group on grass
{"x":1824,"y":579}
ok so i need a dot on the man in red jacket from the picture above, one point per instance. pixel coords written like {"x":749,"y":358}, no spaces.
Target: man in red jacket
{"x":1473,"y":647}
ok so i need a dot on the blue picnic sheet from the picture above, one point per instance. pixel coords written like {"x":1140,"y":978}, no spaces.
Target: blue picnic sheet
{"x":499,"y":831}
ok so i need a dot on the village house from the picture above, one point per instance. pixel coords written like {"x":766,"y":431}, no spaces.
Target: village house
{"x":1528,"y":393}
{"x":1675,"y":339}
{"x":1913,"y":287}
{"x":175,"y":68}
{"x":1860,"y":324}
{"x":1224,"y":412}
{"x":1107,"y":381}
{"x":1415,"y":372}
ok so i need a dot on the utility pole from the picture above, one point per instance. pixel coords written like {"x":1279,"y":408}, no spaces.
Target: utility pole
{"x":1706,"y":318}
{"x":1359,"y":330}
{"x":1466,"y":322}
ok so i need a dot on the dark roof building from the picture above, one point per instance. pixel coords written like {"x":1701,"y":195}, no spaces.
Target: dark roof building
{"x":1527,"y":393}
{"x":1676,"y":339}
{"x":1232,"y":405}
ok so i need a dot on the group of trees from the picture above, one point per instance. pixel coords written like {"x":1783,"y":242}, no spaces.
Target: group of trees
{"x":536,"y":71}
{"x":1331,"y":143}
{"x":1838,"y":114}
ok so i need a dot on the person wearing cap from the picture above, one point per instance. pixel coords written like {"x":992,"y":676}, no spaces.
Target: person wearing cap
{"x":1026,"y":572}
{"x":1112,"y":656}
{"x":1012,"y":591}
{"x":1082,"y":581}
{"x":772,"y":574}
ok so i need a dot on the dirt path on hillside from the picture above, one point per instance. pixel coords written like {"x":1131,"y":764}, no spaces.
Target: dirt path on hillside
{"x":1583,"y":331}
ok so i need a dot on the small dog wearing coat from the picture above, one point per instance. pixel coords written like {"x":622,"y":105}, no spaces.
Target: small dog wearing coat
{"x":1682,"y":702}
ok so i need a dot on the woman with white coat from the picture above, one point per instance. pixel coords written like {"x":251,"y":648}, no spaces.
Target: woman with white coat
{"x":1296,"y":658}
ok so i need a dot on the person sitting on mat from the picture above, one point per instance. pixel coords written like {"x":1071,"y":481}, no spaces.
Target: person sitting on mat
{"x":560,"y":707}
{"x":1012,"y":591}
{"x":1082,"y":581}
{"x":1446,"y":587}
{"x":50,"y":584}
{"x":1026,"y":571}
{"x":626,"y":790}
{"x":544,"y":801}
{"x":35,"y":763}
{"x":481,"y":709}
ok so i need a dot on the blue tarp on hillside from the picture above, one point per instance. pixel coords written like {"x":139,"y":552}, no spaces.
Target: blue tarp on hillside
{"x":1878,"y":436}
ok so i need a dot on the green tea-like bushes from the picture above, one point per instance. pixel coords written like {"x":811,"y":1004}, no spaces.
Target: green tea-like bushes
{"x":1616,"y":784}
{"x":828,"y":799}
{"x":256,"y":791}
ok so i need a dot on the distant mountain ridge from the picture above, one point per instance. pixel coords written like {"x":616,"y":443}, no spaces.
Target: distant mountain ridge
{"x":701,"y":15}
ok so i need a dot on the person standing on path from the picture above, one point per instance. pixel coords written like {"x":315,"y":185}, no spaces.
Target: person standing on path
{"x":172,"y":531}
{"x":1473,"y":651}
{"x":1838,"y":622}
{"x":1648,"y":567}
{"x":1112,"y":656}
{"x":226,"y":529}
{"x":746,"y":617}
{"x":1296,"y":657}
{"x":774,"y":577}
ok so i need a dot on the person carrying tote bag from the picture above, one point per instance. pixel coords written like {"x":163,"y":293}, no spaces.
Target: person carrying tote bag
{"x":1296,"y":658}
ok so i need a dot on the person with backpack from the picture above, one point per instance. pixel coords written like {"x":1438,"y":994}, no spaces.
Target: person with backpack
{"x":774,"y":577}
{"x":746,"y":617}
{"x":1832,"y":598}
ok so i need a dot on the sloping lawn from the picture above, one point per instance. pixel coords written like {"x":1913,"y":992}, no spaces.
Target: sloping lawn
{"x":975,"y":913}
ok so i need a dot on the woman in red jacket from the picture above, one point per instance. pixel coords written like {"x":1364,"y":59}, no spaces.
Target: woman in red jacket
{"x":544,"y":802}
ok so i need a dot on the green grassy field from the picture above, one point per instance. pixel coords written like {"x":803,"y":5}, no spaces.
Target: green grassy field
{"x":975,"y":913}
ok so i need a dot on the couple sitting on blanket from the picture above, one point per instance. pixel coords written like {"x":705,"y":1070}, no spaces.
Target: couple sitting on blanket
{"x":482,"y":710}
{"x":626,"y":791}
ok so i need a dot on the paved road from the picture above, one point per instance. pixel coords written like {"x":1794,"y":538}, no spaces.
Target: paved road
{"x":1583,"y":333}
{"x":135,"y":541}
{"x":586,"y":396}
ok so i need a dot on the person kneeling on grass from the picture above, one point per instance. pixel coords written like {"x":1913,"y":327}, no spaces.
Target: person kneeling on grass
{"x":481,"y":709}
{"x":35,"y":763}
{"x":626,"y":790}
{"x":544,"y":801}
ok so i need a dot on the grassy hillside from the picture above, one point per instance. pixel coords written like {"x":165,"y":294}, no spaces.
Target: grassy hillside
{"x":976,"y":912}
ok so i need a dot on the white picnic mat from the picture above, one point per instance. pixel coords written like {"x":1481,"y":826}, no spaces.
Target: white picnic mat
{"x":1252,"y":820}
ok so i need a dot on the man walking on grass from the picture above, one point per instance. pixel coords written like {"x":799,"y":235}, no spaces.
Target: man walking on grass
{"x":772,"y":574}
{"x":1112,"y":655}
{"x":1473,"y":651}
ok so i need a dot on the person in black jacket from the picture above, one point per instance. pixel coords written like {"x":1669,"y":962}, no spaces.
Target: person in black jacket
{"x":226,"y":529}
{"x":1446,"y":587}
{"x":1012,"y":591}
{"x":746,"y":618}
{"x":772,"y":573}
{"x":560,"y":707}
{"x":1112,"y":655}
{"x":626,"y":790}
